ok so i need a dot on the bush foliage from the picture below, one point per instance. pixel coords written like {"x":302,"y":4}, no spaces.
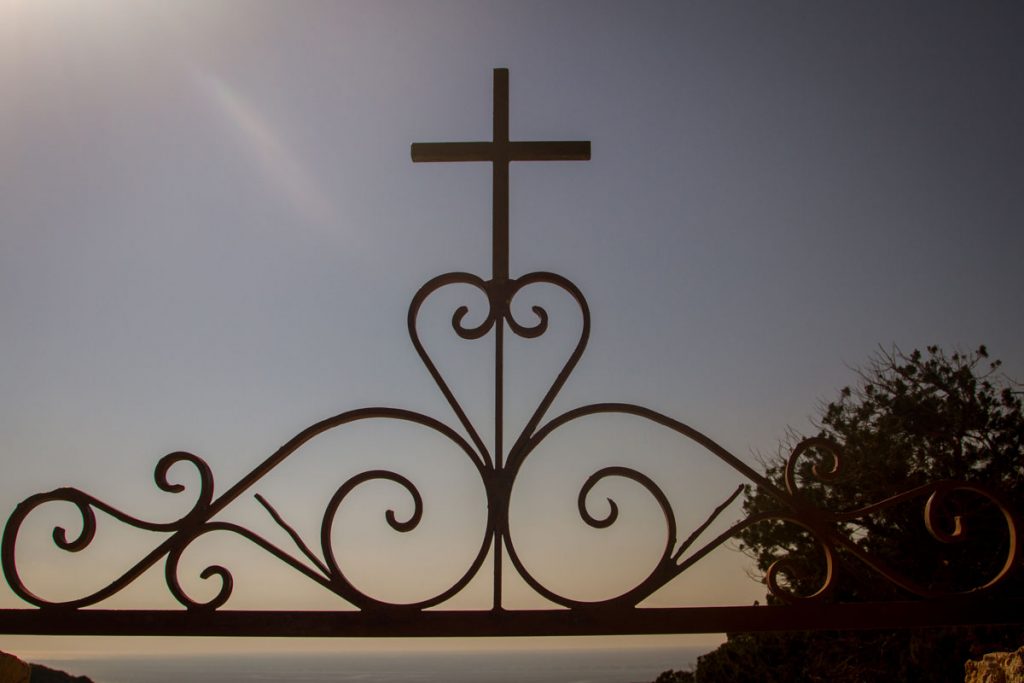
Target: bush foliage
{"x":911,"y":419}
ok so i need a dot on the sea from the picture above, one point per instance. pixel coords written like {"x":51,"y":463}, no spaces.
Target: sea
{"x":634,"y":665}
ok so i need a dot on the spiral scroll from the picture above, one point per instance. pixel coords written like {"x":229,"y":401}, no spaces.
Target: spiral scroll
{"x":827,"y":527}
{"x":87,"y":506}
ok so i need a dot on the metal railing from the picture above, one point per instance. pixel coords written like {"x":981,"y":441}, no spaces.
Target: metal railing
{"x":498,"y":467}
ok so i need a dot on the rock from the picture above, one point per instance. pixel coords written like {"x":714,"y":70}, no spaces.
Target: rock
{"x":13,"y":670}
{"x":44,"y":674}
{"x":996,"y":667}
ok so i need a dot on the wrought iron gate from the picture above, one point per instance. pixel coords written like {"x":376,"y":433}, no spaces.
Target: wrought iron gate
{"x":498,"y":465}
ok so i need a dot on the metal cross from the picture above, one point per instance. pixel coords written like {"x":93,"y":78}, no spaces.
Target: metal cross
{"x":500,"y":151}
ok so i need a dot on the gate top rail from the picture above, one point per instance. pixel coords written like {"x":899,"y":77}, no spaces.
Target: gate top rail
{"x":497,"y":465}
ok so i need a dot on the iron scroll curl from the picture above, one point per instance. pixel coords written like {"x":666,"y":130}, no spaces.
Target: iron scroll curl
{"x":199,"y":521}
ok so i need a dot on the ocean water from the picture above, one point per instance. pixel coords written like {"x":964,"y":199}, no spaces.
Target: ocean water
{"x":521,"y":666}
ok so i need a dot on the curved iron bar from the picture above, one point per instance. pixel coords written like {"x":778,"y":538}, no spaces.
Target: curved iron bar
{"x":821,"y":524}
{"x":341,"y":585}
{"x":500,"y":294}
{"x":783,"y":593}
{"x":197,"y":520}
{"x":340,"y":582}
{"x":227,"y":582}
{"x":658,"y":418}
{"x":822,"y":475}
{"x":660,"y":574}
{"x":466,"y":333}
{"x":668,"y":566}
{"x":331,"y":575}
{"x":936,"y":493}
{"x":86,"y":505}
{"x":786,"y":566}
{"x":556,"y":386}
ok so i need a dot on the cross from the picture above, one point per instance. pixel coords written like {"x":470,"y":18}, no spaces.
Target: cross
{"x":500,"y":151}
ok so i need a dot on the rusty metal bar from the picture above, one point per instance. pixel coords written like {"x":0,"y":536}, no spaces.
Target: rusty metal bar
{"x":511,"y":622}
{"x":519,"y":150}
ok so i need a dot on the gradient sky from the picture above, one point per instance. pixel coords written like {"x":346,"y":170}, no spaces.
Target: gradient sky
{"x":211,"y":231}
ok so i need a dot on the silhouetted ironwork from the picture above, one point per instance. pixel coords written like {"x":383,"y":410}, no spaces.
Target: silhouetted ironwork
{"x":498,"y":468}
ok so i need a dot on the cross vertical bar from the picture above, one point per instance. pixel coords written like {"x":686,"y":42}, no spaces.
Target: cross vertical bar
{"x":499,"y":191}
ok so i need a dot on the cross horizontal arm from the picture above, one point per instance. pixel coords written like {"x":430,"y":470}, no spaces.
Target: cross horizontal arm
{"x":572,"y":150}
{"x":452,"y":151}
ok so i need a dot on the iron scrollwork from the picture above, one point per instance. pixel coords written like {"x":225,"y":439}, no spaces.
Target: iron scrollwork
{"x":498,"y":468}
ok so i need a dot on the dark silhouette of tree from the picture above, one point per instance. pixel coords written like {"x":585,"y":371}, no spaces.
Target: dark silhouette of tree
{"x":911,"y":419}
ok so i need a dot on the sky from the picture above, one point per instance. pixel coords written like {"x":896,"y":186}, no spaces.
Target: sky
{"x":212,"y":229}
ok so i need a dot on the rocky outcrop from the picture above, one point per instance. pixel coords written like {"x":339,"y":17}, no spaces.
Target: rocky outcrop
{"x":13,"y":670}
{"x":997,"y":667}
{"x":44,"y":674}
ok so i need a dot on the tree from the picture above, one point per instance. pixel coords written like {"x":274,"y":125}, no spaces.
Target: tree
{"x":911,"y":419}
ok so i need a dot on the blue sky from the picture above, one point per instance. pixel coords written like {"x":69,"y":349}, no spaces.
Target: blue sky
{"x":212,"y":230}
